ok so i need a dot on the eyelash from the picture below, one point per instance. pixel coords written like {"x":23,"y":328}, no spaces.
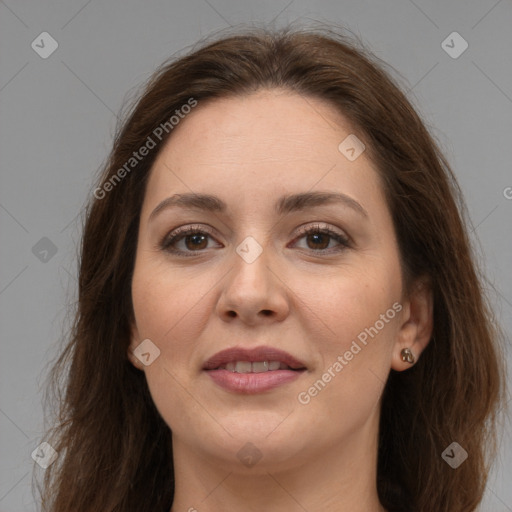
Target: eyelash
{"x":180,"y":233}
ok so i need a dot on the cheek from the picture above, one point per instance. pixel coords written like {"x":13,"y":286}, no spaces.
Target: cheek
{"x":348,"y":385}
{"x":172,"y":308}
{"x":360,"y":317}
{"x":362,"y":330}
{"x":167,"y":311}
{"x":167,"y":303}
{"x":347,"y":303}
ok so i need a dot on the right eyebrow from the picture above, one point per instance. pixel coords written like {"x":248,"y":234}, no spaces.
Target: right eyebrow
{"x":285,"y":204}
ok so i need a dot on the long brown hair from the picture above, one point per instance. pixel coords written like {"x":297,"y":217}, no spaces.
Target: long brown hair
{"x":114,"y":447}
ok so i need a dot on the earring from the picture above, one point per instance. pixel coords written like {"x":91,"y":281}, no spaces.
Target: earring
{"x":407,"y":356}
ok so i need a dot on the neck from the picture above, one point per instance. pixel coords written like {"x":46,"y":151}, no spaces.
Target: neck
{"x":338,"y":479}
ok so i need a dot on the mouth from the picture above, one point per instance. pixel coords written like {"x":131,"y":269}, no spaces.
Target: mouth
{"x":253,"y":371}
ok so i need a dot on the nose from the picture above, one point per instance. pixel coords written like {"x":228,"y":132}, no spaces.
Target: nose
{"x":253,"y":291}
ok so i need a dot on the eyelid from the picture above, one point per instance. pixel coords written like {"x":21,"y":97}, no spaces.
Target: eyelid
{"x":343,"y":239}
{"x":184,"y":230}
{"x":324,"y":227}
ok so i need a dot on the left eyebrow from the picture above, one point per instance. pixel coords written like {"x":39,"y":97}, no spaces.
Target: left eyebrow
{"x":285,"y":204}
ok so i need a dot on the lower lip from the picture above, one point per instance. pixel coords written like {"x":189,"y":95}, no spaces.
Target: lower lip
{"x":249,"y":383}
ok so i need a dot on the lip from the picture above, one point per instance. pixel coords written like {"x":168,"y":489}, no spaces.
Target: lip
{"x":249,"y":383}
{"x":230,"y":355}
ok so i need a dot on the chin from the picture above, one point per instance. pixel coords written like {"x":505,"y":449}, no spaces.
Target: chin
{"x":263,"y":440}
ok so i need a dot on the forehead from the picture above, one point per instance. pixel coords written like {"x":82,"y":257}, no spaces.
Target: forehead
{"x":282,"y":119}
{"x":248,"y":147}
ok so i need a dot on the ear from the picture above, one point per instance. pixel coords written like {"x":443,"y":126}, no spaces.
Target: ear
{"x":134,"y":342}
{"x":417,"y":322}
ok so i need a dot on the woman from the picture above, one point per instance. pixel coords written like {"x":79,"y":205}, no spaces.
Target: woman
{"x":278,"y":304}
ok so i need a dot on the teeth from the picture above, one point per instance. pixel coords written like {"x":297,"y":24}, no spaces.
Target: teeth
{"x":243,"y":367}
{"x":255,"y":367}
{"x":260,"y":366}
{"x":230,"y":367}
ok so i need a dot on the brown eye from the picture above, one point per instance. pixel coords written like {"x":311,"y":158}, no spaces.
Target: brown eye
{"x":189,"y":240}
{"x":318,"y":239}
{"x":195,"y":241}
{"x":192,"y":240}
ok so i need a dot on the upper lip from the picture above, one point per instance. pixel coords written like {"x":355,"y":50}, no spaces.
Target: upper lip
{"x":255,"y":354}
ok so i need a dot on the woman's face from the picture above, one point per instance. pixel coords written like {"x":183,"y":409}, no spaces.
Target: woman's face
{"x":248,"y":277}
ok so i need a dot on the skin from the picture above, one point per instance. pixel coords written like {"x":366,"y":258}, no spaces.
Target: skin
{"x":322,"y":455}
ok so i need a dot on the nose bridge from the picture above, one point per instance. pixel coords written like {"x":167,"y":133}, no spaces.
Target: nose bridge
{"x":251,"y":286}
{"x":251,"y":262}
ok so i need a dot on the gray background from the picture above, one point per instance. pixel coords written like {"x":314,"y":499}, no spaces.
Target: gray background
{"x":57,"y":120}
